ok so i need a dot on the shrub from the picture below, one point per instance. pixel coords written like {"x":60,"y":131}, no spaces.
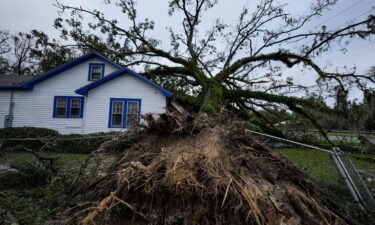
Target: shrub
{"x":26,"y":132}
{"x":72,"y":143}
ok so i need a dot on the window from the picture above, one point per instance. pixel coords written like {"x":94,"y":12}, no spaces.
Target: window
{"x":124,"y":113}
{"x":96,"y":71}
{"x":75,"y":107}
{"x":61,"y":107}
{"x":117,"y":113}
{"x":68,"y":107}
{"x":132,"y":114}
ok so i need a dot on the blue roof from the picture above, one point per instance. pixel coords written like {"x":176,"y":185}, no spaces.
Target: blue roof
{"x":30,"y":84}
{"x":124,"y":71}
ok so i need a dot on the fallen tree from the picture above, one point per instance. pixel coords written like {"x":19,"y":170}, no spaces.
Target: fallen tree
{"x":194,"y":173}
{"x":213,"y":64}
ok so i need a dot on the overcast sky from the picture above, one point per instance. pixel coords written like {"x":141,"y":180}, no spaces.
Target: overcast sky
{"x":25,"y":15}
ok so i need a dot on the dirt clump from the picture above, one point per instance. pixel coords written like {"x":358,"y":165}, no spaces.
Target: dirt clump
{"x":209,"y":176}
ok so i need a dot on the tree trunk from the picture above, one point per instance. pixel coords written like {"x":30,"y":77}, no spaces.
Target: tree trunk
{"x":213,"y":97}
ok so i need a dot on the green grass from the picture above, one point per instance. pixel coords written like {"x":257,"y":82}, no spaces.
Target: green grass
{"x":36,"y":205}
{"x":365,"y":164}
{"x":67,"y":160}
{"x":363,"y":161}
{"x":27,"y":205}
{"x":320,"y":167}
{"x":315,"y":163}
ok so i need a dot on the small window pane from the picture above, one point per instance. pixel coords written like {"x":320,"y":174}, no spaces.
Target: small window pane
{"x":117,"y":107}
{"x":117,"y":120}
{"x":132,"y":114}
{"x":117,"y":113}
{"x":61,"y":104}
{"x":75,"y":107}
{"x":96,"y":72}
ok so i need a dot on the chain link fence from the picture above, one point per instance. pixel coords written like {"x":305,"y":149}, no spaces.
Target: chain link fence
{"x":348,"y":175}
{"x":360,"y":186}
{"x":73,"y":158}
{"x":60,"y":144}
{"x":39,"y":173}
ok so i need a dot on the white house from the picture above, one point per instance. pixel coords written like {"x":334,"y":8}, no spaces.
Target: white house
{"x":89,"y":94}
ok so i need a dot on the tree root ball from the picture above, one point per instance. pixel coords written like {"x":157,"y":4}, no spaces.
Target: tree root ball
{"x":214,"y":176}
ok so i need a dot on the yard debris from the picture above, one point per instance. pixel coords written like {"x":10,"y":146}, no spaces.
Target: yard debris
{"x":7,"y":170}
{"x":187,"y":172}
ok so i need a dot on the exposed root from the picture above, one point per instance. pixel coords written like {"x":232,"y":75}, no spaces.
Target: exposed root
{"x":214,"y":176}
{"x":102,"y":206}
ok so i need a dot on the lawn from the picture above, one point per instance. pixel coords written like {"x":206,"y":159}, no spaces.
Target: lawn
{"x":320,"y":167}
{"x":66,"y":160}
{"x":37,"y":204}
{"x":315,"y":163}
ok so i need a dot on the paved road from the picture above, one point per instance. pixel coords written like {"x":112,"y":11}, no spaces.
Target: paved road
{"x":347,"y":139}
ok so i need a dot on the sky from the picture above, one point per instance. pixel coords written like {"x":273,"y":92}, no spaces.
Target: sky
{"x":25,"y":15}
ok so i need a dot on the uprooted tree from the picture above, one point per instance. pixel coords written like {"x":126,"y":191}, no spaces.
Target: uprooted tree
{"x":237,"y":67}
{"x":178,"y":172}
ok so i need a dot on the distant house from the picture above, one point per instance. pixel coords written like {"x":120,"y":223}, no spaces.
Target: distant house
{"x":89,"y":94}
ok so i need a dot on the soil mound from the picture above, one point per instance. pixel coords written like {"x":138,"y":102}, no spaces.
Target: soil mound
{"x":208,"y":176}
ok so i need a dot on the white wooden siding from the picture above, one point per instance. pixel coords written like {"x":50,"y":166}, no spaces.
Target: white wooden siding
{"x":126,"y":86}
{"x":4,"y":105}
{"x":34,"y":108}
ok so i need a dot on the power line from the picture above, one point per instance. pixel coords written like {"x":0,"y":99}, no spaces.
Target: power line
{"x":355,"y":18}
{"x":353,"y":50}
{"x":351,"y":20}
{"x":338,"y":14}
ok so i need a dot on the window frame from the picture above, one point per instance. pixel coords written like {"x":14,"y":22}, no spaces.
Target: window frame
{"x":125,"y":110}
{"x":91,"y":65}
{"x":68,"y":107}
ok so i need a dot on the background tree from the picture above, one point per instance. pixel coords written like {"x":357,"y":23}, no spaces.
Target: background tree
{"x":21,"y":47}
{"x":4,"y":48}
{"x":48,"y":54}
{"x":32,"y":53}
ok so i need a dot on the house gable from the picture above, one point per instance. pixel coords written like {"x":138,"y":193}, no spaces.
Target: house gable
{"x":30,"y":84}
{"x":125,"y":71}
{"x":125,"y":88}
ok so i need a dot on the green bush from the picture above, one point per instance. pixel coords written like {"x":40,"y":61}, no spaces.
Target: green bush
{"x":81,"y":143}
{"x":26,"y":132}
{"x":72,"y":143}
